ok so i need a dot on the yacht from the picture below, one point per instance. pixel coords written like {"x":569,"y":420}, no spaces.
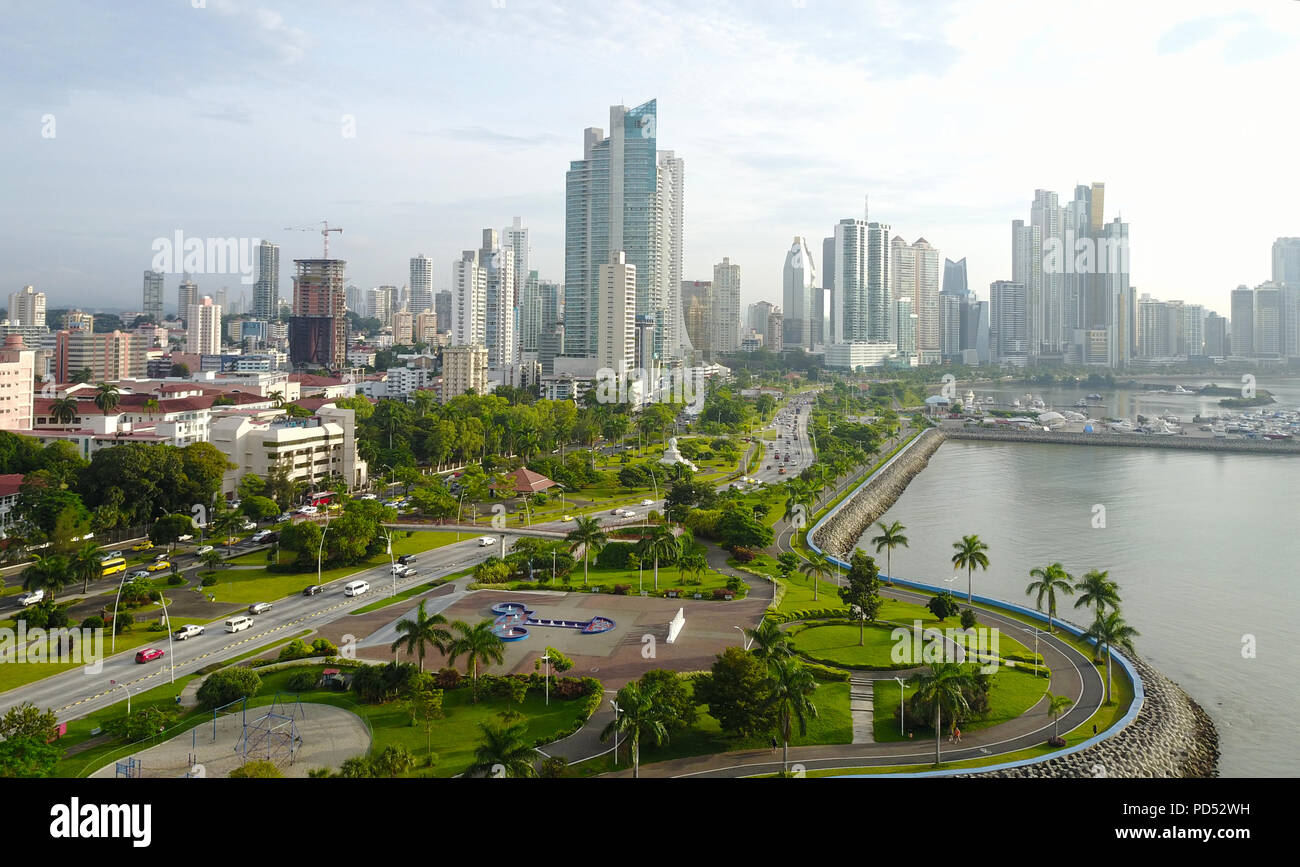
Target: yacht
{"x":1094,"y":396}
{"x":1081,"y":402}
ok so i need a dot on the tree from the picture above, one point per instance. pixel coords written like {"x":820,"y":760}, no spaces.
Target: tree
{"x":84,"y":563}
{"x":673,"y":697}
{"x":27,"y":757}
{"x":48,"y":573}
{"x":944,"y":687}
{"x":1052,"y":579}
{"x":969,"y":553}
{"x":229,"y":684}
{"x":737,"y":692}
{"x":661,"y":543}
{"x":422,"y":632}
{"x":179,"y":370}
{"x":891,"y":536}
{"x":1056,"y":706}
{"x":426,"y":706}
{"x":64,"y":410}
{"x":817,"y":566}
{"x":477,"y":643}
{"x":861,"y":590}
{"x":943,"y":605}
{"x":588,"y":535}
{"x":107,"y":397}
{"x":258,"y":769}
{"x":503,"y":752}
{"x":792,"y":687}
{"x":1096,"y":589}
{"x":28,"y":721}
{"x":638,"y":715}
{"x":167,"y":529}
{"x":1110,"y":630}
{"x":770,"y":643}
{"x":258,"y":508}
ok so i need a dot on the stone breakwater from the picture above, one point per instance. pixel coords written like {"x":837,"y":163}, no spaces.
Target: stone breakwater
{"x":842,"y":530}
{"x":1172,"y":736}
{"x":1209,"y":444}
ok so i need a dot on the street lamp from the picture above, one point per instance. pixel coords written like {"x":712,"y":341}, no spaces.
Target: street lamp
{"x":116,"y":602}
{"x":162,"y":600}
{"x":617,"y":710}
{"x":546,"y":658}
{"x":389,"y":540}
{"x":128,"y":694}
{"x":1037,"y":632}
{"x":900,"y":704}
{"x":743,"y":643}
{"x":320,"y":549}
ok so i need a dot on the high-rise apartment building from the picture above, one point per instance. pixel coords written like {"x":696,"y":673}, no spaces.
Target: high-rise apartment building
{"x":916,"y":276}
{"x":153,"y":295}
{"x":906,"y":328}
{"x":670,"y":231}
{"x":266,"y":291}
{"x":697,"y":297}
{"x":17,"y":381}
{"x":203,"y":327}
{"x":616,"y":332}
{"x":1047,"y":217}
{"x":497,"y":264}
{"x":850,"y":311}
{"x":1243,"y":321}
{"x":950,"y":305}
{"x":515,"y":239}
{"x":463,"y":368}
{"x":756,"y":317}
{"x":469,"y":301}
{"x":1193,"y":336}
{"x":379,"y":304}
{"x":442,"y":307}
{"x":552,"y":295}
{"x":1216,"y":336}
{"x":530,"y":313}
{"x":726,"y":295}
{"x":799,"y":284}
{"x":1027,"y":269}
{"x":1008,"y":322}
{"x":187,"y":295}
{"x":27,"y":308}
{"x":110,"y":357}
{"x":421,"y":283}
{"x":318,"y":323}
{"x":1286,"y":261}
{"x":880,"y":284}
{"x":1268,"y":320}
{"x":403,"y":328}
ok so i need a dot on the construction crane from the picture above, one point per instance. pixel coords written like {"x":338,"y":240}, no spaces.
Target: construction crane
{"x":325,"y":232}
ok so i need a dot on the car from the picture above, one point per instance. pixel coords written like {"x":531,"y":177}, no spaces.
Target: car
{"x":406,"y":559}
{"x":140,"y":574}
{"x":189,"y":630}
{"x":160,"y":557}
{"x":369,"y":497}
{"x":484,"y":541}
{"x":312,"y":590}
{"x":249,"y":525}
{"x":206,"y":549}
{"x":143,"y":546}
{"x":186,"y":538}
{"x":31,"y":598}
{"x":769,"y":466}
{"x":400,"y":569}
{"x":568,"y":517}
{"x":160,"y":566}
{"x":647,"y":502}
{"x":285,"y":517}
{"x":308,"y":510}
{"x":259,"y":608}
{"x":113,"y":554}
{"x":259,"y":536}
{"x":149,"y":654}
{"x":781,"y":471}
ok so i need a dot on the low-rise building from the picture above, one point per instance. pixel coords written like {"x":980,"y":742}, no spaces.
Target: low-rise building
{"x":311,"y":449}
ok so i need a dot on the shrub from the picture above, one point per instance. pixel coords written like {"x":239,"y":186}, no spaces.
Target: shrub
{"x":967,"y":619}
{"x":721,"y":593}
{"x":734,"y":583}
{"x":223,"y":687}
{"x":614,"y":555}
{"x":743,"y":555}
{"x":942,"y":606}
{"x":301,"y":681}
{"x":176,"y":580}
{"x":208,"y":581}
{"x":622,"y":589}
{"x":124,"y":622}
{"x":295,"y":649}
{"x":93,"y":622}
{"x":554,"y":767}
{"x":258,"y":769}
{"x":826,"y":672}
{"x":323,"y":647}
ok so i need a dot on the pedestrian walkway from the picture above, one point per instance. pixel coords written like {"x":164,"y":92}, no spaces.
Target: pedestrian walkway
{"x":861,"y":707}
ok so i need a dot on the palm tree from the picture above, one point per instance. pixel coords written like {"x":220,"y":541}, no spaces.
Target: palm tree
{"x":694,"y":564}
{"x":64,"y":410}
{"x":943,"y":685}
{"x":637,"y":715}
{"x":477,"y":643}
{"x":770,"y":642}
{"x":792,"y":685}
{"x":816,"y":566}
{"x":969,"y":554}
{"x":107,"y":397}
{"x":505,"y":748}
{"x":1051,"y":580}
{"x":660,"y":543}
{"x":1056,"y":706}
{"x":588,"y":535}
{"x":891,"y":536}
{"x":1096,"y":589}
{"x":49,"y":573}
{"x":276,"y":398}
{"x":84,"y":563}
{"x":226,"y":524}
{"x":1111,"y":630}
{"x":420,"y":633}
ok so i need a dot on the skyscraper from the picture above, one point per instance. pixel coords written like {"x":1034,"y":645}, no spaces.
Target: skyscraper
{"x":916,"y":276}
{"x":498,"y":264}
{"x":153,"y":295}
{"x":421,"y":284}
{"x":469,"y":301}
{"x":530,"y":313}
{"x":697,"y":297}
{"x":670,"y":230}
{"x":880,"y":285}
{"x":1243,"y":321}
{"x":726,"y":295}
{"x":1027,"y":269}
{"x":266,"y":291}
{"x":1008,"y":324}
{"x":379,"y":304}
{"x":442,"y":307}
{"x":799,"y":281}
{"x":1286,"y":261}
{"x":27,"y":308}
{"x":318,"y":324}
{"x":850,"y":312}
{"x":187,"y":295}
{"x":1048,"y":218}
{"x":552,"y":295}
{"x":906,"y":327}
{"x":515,"y":239}
{"x":954,"y":277}
{"x":612,"y":205}
{"x":203,"y":327}
{"x":616,"y":331}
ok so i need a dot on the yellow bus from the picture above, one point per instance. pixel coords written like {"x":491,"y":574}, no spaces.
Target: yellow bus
{"x":113,"y":565}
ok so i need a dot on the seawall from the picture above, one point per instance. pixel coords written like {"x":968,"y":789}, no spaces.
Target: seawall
{"x":1208,"y":444}
{"x":838,"y":533}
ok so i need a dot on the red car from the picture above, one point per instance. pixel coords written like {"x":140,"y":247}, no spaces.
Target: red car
{"x":149,"y":654}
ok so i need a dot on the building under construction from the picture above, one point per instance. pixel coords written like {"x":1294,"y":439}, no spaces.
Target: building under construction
{"x":318,"y":328}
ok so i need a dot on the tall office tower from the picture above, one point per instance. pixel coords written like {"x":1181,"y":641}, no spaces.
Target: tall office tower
{"x":1027,"y":268}
{"x":27,"y":308}
{"x":530,"y":313}
{"x":1243,"y":321}
{"x":906,"y":327}
{"x":611,"y":206}
{"x":915,"y":270}
{"x":1008,"y":322}
{"x":442,"y":307}
{"x":726,"y":294}
{"x":498,"y":264}
{"x":644,"y":356}
{"x":1047,"y":216}
{"x":222,"y":300}
{"x":1286,"y":261}
{"x":203,"y":327}
{"x":549,"y":345}
{"x":1193,"y":340}
{"x":954,"y":278}
{"x":697,"y":296}
{"x":469,"y":301}
{"x":774,"y":335}
{"x":266,"y":291}
{"x":1289,"y":293}
{"x":1268,"y":319}
{"x":670,"y":230}
{"x":880,"y":284}
{"x":515,"y":239}
{"x":756,"y":317}
{"x":318,"y":324}
{"x":551,"y":294}
{"x":1216,"y":336}
{"x":975,"y":328}
{"x":353,"y":299}
{"x":616,"y":330}
{"x":421,"y":284}
{"x":822,"y":328}
{"x":850,"y":314}
{"x":799,"y":284}
{"x":154,"y":295}
{"x":950,"y":304}
{"x":187,"y":295}
{"x":379,"y":304}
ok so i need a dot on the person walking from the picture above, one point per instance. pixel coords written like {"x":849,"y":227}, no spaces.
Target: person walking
{"x":773,"y":743}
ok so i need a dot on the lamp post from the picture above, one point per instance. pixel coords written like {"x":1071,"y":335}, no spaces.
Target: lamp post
{"x":128,"y":694}
{"x":900,"y":704}
{"x":1037,"y":632}
{"x":162,"y":600}
{"x":617,"y":710}
{"x":546,"y":658}
{"x":745,"y":645}
{"x":389,"y":540}
{"x":116,"y":602}
{"x":320,"y":549}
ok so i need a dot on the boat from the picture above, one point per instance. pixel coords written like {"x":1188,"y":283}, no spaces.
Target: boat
{"x":1094,"y":396}
{"x":1081,"y":402}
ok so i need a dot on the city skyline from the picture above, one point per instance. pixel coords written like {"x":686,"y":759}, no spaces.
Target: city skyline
{"x":958,"y":191}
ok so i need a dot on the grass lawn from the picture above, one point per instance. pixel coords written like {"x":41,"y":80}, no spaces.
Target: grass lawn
{"x":838,"y":645}
{"x":261,"y":585}
{"x":833,"y":725}
{"x":1013,"y":692}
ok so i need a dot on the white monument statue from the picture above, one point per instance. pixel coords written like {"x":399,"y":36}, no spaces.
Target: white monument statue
{"x":676,"y":624}
{"x":673,"y":456}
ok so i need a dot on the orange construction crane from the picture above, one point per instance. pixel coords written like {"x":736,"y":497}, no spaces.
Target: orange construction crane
{"x":325,"y":232}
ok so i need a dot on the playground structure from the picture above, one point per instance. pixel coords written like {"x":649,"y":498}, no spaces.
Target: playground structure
{"x":513,"y":620}
{"x":273,"y":736}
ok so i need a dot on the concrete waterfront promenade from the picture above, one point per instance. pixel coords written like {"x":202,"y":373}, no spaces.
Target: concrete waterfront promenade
{"x":1129,"y":440}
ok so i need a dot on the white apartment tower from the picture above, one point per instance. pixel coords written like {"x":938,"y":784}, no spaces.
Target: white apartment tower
{"x":27,"y":308}
{"x":468,"y":301}
{"x":500,"y":310}
{"x":726,"y":294}
{"x":671,"y":333}
{"x":916,"y":276}
{"x":421,"y":284}
{"x":203,"y":327}
{"x":616,"y":332}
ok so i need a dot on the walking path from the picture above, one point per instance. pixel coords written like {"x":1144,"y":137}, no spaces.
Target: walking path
{"x":862,"y":708}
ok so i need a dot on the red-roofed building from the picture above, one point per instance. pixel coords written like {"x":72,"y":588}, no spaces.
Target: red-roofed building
{"x":9,"y":485}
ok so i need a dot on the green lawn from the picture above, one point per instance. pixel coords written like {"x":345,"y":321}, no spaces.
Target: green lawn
{"x":1013,"y":692}
{"x":838,"y":645}
{"x":261,"y":585}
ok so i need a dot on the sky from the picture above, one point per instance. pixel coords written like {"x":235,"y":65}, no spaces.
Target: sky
{"x":415,"y":125}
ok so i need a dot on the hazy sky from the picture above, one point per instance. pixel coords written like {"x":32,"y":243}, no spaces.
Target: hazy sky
{"x":229,"y":120}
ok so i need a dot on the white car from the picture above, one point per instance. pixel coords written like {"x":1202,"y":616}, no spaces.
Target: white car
{"x":484,"y":541}
{"x":31,"y":598}
{"x":206,"y":549}
{"x":285,"y":517}
{"x":188,"y":631}
{"x":250,"y":525}
{"x":308,"y":510}
{"x":568,"y":517}
{"x":647,"y":502}
{"x":186,"y":538}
